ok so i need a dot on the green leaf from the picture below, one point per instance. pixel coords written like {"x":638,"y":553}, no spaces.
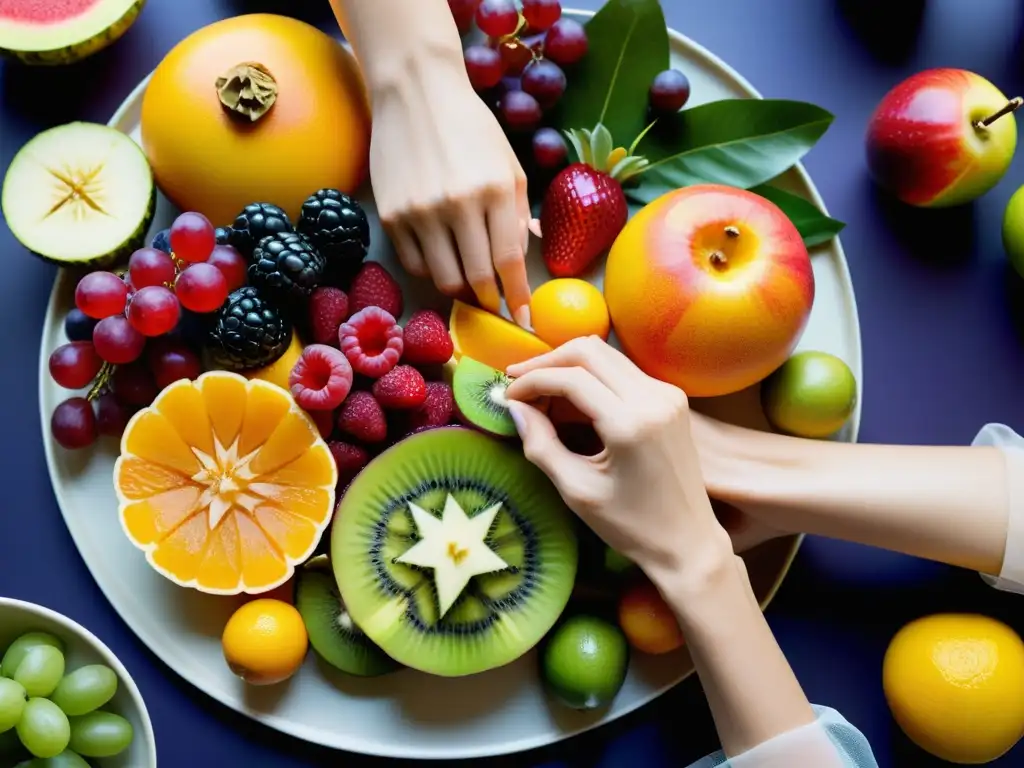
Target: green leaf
{"x":627,"y":46}
{"x":738,"y":142}
{"x":813,"y":225}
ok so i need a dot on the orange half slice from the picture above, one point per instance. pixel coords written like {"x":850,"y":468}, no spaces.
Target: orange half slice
{"x":491,"y":339}
{"x":225,"y":484}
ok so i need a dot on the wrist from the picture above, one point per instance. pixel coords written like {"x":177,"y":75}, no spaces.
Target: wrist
{"x":426,"y":64}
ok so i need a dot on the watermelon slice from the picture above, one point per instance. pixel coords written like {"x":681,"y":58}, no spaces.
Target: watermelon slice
{"x":62,"y":31}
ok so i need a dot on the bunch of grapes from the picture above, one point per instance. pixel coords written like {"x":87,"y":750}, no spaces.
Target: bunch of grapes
{"x":116,"y":314}
{"x":524,"y":60}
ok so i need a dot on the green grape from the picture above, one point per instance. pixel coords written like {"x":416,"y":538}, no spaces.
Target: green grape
{"x":40,"y":670}
{"x":66,"y":759}
{"x":100,"y":734}
{"x":43,"y":728}
{"x":85,"y":689}
{"x":12,"y":703}
{"x":17,"y":650}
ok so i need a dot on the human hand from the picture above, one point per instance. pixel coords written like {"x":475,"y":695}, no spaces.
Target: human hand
{"x":450,"y":191}
{"x":643,"y":494}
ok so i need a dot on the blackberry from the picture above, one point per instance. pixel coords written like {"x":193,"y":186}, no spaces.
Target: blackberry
{"x":337,"y":226}
{"x":247,"y":332}
{"x":256,"y":221}
{"x":223,"y":235}
{"x":162,"y":241}
{"x":286,"y":267}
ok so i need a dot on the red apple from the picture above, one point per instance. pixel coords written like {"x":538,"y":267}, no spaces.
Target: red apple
{"x":942,"y":137}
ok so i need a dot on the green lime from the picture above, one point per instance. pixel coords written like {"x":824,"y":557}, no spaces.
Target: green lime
{"x":615,"y":562}
{"x":1013,"y":231}
{"x":812,"y":394}
{"x":584,"y":662}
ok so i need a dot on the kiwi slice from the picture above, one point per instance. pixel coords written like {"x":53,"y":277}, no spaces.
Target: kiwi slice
{"x":332,"y":633}
{"x":479,"y":392}
{"x":453,"y":553}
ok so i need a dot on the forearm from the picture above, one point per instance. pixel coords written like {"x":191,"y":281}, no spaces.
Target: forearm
{"x":948,"y":504}
{"x":750,"y":687}
{"x":394,"y":39}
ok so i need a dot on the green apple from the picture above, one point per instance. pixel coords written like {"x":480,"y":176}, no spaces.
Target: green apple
{"x":1013,"y":231}
{"x":813,"y":394}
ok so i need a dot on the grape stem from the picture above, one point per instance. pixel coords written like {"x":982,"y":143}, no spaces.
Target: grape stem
{"x":101,"y":382}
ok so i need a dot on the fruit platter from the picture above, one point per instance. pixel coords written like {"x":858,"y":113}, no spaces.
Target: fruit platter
{"x":290,"y":466}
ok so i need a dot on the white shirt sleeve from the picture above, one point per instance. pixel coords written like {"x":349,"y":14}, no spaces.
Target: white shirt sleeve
{"x":1011,"y":578}
{"x":828,"y":742}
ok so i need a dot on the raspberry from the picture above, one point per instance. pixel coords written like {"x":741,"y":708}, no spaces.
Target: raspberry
{"x":349,"y":459}
{"x":437,"y":408}
{"x":372,"y":341}
{"x":426,"y":339}
{"x":328,"y":309}
{"x":362,"y":417}
{"x":375,"y":287}
{"x":400,"y":388}
{"x":324,"y":421}
{"x":321,"y":378}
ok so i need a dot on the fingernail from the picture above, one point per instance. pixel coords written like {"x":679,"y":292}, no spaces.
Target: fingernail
{"x":522,"y":316}
{"x":515,"y":410}
{"x":535,"y":227}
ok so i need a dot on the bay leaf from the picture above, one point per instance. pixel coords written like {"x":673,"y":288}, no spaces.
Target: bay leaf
{"x":627,"y":46}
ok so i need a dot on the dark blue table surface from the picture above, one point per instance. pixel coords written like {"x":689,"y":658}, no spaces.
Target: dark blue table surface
{"x":943,"y":353}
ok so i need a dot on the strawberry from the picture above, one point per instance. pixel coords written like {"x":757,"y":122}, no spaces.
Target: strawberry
{"x":584,"y":208}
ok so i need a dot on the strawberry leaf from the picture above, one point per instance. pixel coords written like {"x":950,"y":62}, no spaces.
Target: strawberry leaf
{"x":814,"y":226}
{"x":627,"y":46}
{"x":739,"y":142}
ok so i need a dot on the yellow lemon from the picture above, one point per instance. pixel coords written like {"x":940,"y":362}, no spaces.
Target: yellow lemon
{"x":265,"y":641}
{"x":277,"y":372}
{"x":567,"y":308}
{"x":955,"y":685}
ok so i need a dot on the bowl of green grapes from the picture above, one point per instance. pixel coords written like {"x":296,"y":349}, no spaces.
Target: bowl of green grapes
{"x":65,"y":699}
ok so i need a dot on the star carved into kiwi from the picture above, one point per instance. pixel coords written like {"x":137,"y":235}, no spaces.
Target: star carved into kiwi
{"x":454,"y":547}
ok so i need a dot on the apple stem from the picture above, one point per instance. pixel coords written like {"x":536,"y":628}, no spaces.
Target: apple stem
{"x":717,"y":259}
{"x":732,"y":231}
{"x":1011,"y":106}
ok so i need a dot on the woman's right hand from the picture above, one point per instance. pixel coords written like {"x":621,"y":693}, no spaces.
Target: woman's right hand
{"x":643,"y":494}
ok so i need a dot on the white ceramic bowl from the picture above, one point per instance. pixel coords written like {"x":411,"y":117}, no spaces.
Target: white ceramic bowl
{"x":82,"y":647}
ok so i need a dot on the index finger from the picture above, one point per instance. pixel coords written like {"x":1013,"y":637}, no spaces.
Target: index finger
{"x":578,"y":386}
{"x":508,"y":255}
{"x":614,"y":369}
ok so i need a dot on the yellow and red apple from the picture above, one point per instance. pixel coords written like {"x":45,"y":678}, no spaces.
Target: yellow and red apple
{"x":942,"y":137}
{"x":709,"y":288}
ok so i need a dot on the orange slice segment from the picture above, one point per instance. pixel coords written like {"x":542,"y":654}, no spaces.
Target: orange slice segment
{"x":491,"y":339}
{"x":225,"y":484}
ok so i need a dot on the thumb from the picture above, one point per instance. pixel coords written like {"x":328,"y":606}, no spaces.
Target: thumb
{"x":541,"y":444}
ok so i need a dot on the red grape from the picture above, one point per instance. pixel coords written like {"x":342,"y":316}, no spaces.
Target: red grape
{"x":520,"y":111}
{"x":484,"y":67}
{"x":73,"y":423}
{"x":134,"y":385}
{"x":201,"y":288}
{"x":148,"y":266}
{"x":541,"y":14}
{"x":566,"y":42}
{"x":549,"y":150}
{"x":116,"y":341}
{"x":74,"y":365}
{"x":111,"y":415}
{"x":154,"y":311}
{"x":231,"y":263}
{"x":515,"y":56}
{"x":192,"y":237}
{"x":497,"y":18}
{"x":171,"y":360}
{"x":545,"y":81}
{"x":669,"y":91}
{"x":463,"y":12}
{"x":101,"y":294}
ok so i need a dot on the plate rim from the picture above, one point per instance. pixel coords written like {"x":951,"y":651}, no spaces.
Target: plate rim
{"x":377,"y":749}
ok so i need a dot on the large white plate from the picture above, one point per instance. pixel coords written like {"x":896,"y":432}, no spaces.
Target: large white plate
{"x":399,"y":716}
